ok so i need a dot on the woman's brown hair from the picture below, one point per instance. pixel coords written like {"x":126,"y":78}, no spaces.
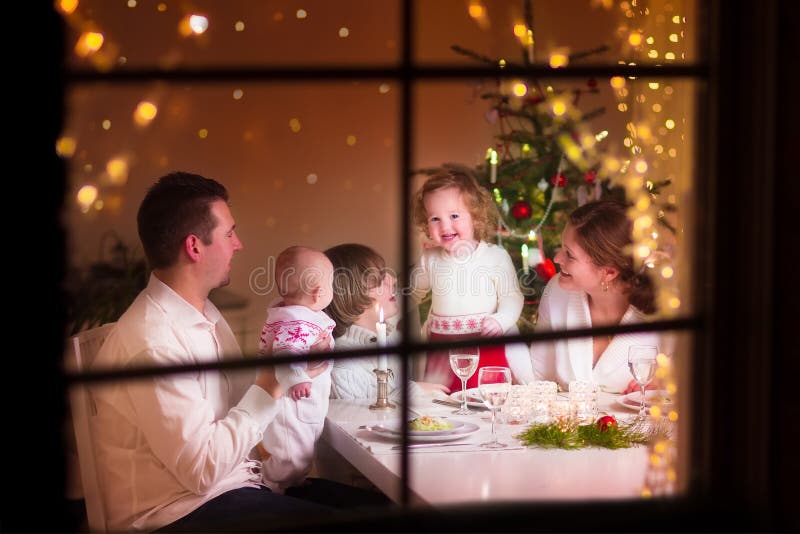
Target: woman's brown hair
{"x":603,"y":231}
{"x":478,"y":200}
{"x":356,"y":270}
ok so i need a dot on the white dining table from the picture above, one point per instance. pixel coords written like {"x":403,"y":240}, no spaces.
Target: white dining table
{"x":450,"y":475}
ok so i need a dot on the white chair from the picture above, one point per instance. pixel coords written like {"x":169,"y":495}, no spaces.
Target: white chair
{"x":80,"y":354}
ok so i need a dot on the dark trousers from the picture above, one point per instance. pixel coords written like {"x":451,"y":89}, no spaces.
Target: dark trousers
{"x":259,"y":509}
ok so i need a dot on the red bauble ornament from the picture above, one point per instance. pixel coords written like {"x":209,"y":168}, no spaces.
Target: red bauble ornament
{"x":590,"y":176}
{"x":605,"y":422}
{"x":592,"y":83}
{"x":521,"y":210}
{"x":546,"y":270}
{"x":559,"y":180}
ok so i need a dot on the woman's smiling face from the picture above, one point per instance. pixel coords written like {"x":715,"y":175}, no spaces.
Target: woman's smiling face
{"x":578,"y":273}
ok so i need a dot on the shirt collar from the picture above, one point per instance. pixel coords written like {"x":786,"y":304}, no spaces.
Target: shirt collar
{"x":177,"y":308}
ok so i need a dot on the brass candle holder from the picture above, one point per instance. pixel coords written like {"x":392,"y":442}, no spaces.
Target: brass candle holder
{"x":382,"y":402}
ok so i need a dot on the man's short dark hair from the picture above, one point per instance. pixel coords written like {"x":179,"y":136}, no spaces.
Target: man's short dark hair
{"x":176,"y":206}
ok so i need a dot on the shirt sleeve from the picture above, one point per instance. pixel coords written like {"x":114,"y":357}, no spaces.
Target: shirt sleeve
{"x":288,"y":340}
{"x":185,"y":434}
{"x":509,"y":296}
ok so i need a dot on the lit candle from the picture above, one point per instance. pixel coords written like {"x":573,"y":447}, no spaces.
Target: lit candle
{"x":525,"y":267}
{"x":493,"y":165}
{"x":530,"y":45}
{"x":380,"y":328}
{"x":540,"y":241}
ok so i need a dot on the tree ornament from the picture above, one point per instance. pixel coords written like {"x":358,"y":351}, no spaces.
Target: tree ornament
{"x":590,"y":176}
{"x":605,"y":422}
{"x":592,"y":83}
{"x":546,"y":270}
{"x":542,"y":185}
{"x":559,"y":180}
{"x":521,"y":210}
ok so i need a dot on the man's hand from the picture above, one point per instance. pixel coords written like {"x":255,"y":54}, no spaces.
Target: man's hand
{"x":266,"y":381}
{"x":300,"y":391}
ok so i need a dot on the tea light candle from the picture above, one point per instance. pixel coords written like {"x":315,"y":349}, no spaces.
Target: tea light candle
{"x":543,"y":393}
{"x":380,"y":329}
{"x":583,"y":400}
{"x":493,"y":166}
{"x":559,"y":409}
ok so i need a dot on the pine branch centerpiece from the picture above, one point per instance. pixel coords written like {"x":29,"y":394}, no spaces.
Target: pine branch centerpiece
{"x":606,"y":433}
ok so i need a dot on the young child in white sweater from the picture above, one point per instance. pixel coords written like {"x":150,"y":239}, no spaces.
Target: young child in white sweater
{"x":475,"y":291}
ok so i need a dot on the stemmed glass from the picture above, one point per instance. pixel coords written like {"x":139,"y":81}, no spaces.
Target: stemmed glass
{"x":463,"y":362}
{"x":642,"y":363}
{"x":494,"y":384}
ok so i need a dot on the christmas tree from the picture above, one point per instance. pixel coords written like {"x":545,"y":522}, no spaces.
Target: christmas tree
{"x":546,"y":162}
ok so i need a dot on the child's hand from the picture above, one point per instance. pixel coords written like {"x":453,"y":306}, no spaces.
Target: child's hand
{"x":431,"y":387}
{"x":491,"y":328}
{"x":323,"y":344}
{"x":299,"y":391}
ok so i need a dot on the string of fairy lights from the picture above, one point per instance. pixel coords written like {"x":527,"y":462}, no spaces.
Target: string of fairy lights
{"x":651,"y":32}
{"x":93,"y":46}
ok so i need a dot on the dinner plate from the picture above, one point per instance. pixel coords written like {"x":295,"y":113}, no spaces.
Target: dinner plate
{"x":474,"y":398}
{"x":392,"y":430}
{"x":633,"y":400}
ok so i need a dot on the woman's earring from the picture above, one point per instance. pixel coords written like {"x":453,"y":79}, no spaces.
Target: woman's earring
{"x":604,"y":285}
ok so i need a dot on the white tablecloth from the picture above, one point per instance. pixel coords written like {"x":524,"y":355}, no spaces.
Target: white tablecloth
{"x":456,"y":475}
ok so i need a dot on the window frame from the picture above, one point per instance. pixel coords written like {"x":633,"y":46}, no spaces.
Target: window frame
{"x":742,"y":474}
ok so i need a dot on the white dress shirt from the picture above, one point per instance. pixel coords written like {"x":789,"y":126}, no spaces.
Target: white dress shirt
{"x":168,"y":444}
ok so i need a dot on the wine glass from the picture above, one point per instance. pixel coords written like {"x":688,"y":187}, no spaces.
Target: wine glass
{"x":494,"y":384}
{"x":642,"y":363}
{"x":463,"y":362}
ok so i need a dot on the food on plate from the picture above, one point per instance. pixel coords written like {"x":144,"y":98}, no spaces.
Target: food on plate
{"x":425,"y":423}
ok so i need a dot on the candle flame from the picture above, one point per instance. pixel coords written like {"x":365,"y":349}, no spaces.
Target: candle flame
{"x":380,"y":314}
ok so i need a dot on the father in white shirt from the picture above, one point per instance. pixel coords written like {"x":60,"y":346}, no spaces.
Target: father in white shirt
{"x":173,"y":452}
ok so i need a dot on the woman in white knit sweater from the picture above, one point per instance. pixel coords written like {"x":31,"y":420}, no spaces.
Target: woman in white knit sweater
{"x":361,"y":284}
{"x":597,"y":286}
